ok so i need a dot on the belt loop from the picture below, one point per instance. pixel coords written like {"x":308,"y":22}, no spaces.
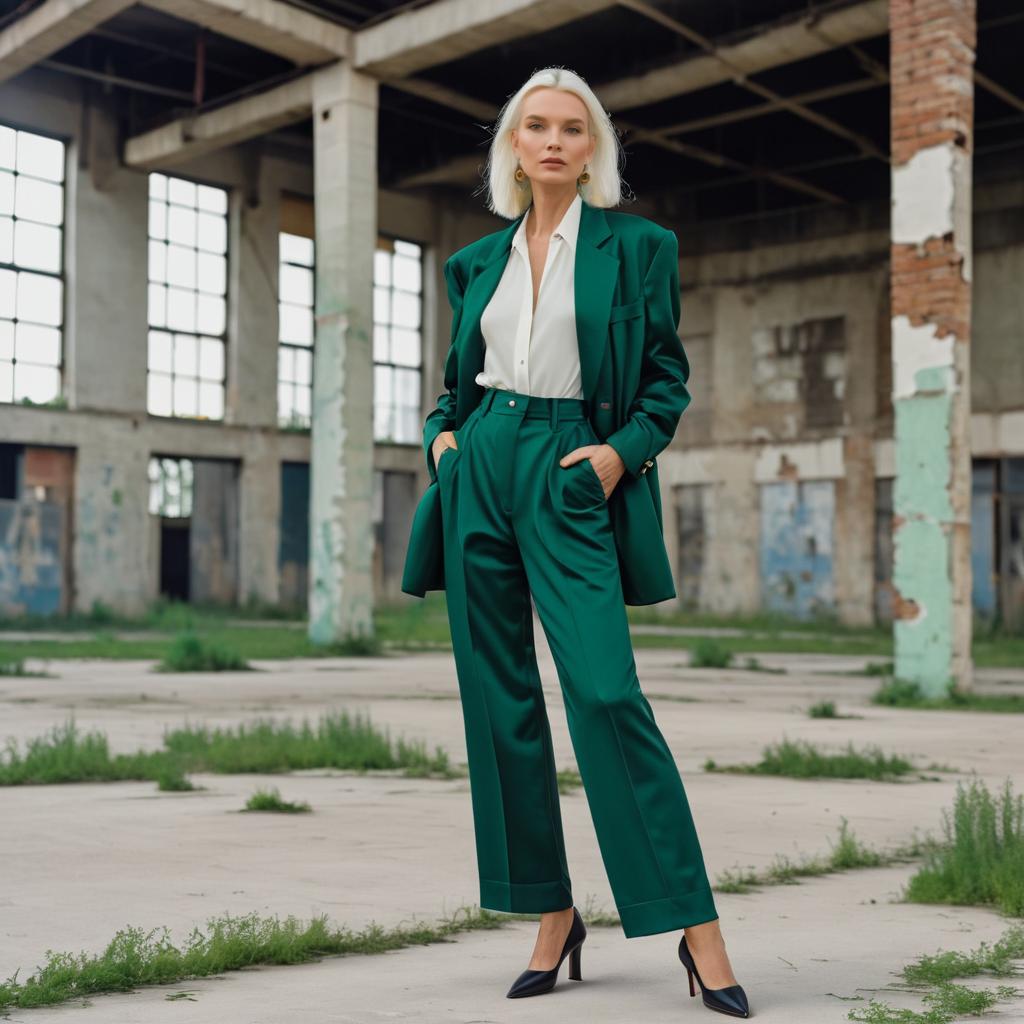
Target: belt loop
{"x":553,"y":408}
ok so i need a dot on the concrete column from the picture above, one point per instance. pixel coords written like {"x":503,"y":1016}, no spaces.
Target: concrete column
{"x":252,"y":349}
{"x":107,"y":259}
{"x":111,"y":547}
{"x":259,"y":521}
{"x":932,"y":45}
{"x":341,"y":486}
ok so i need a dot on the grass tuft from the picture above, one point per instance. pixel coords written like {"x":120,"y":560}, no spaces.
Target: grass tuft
{"x":270,"y":800}
{"x":996,"y":959}
{"x":903,"y":693}
{"x":799,"y":759}
{"x":709,"y":653}
{"x":192,"y":653}
{"x":135,"y":958}
{"x":981,"y":861}
{"x":847,"y":853}
{"x":338,"y":740}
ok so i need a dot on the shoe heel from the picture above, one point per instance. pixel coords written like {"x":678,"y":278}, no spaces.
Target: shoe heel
{"x":574,"y":964}
{"x":689,"y":975}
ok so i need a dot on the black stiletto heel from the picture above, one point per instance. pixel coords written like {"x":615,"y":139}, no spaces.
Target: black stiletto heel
{"x":533,"y":983}
{"x":731,"y":999}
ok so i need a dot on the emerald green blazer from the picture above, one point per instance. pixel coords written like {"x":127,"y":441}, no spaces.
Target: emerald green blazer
{"x":633,"y":370}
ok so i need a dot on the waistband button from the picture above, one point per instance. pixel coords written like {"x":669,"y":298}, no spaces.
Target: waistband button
{"x":511,"y":401}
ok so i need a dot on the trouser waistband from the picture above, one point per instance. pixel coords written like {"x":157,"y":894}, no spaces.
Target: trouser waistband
{"x":534,"y":406}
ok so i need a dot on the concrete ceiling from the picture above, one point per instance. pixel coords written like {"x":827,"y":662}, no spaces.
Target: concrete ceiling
{"x":726,"y":109}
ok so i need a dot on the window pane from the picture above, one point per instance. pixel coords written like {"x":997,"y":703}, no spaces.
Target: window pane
{"x":157,"y":305}
{"x":181,"y":266}
{"x":40,"y":157}
{"x":296,"y":285}
{"x":211,"y":359}
{"x":407,"y":273}
{"x":212,"y":233}
{"x":157,"y":186}
{"x":157,"y":261}
{"x":303,"y":366}
{"x":213,"y":200}
{"x":186,"y":356}
{"x":382,"y":268}
{"x":181,"y":309}
{"x":40,"y":201}
{"x":405,"y":309}
{"x":407,"y":387}
{"x":211,"y":314}
{"x":37,"y":383}
{"x":37,"y":246}
{"x":381,"y":343}
{"x":157,"y":220}
{"x":181,"y":191}
{"x":181,"y":224}
{"x":39,"y":299}
{"x":6,"y":340}
{"x":8,"y":282}
{"x":404,"y":248}
{"x":35,"y":344}
{"x":286,"y":363}
{"x":6,"y":382}
{"x":381,"y":305}
{"x":406,"y":347}
{"x":296,"y":249}
{"x":211,"y":400}
{"x":213,"y":273}
{"x":160,"y":351}
{"x":158,"y":400}
{"x":6,"y":240}
{"x":185,"y":397}
{"x":296,"y":324}
{"x":6,"y":193}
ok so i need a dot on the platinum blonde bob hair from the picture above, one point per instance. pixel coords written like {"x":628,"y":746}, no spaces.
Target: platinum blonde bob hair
{"x":508,"y":197}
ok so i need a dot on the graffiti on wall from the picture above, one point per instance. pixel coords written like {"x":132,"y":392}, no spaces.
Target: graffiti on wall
{"x":31,"y":574}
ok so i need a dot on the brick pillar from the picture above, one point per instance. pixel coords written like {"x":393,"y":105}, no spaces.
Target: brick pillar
{"x":932,"y":105}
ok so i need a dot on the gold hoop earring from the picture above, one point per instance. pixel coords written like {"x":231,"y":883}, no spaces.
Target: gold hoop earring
{"x":584,"y":177}
{"x":520,"y":174}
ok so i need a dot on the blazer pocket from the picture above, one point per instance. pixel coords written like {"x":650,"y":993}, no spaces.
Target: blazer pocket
{"x":626,"y":310}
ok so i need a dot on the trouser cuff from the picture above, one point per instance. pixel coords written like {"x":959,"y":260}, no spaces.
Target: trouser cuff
{"x":524,"y":897}
{"x":668,"y":914}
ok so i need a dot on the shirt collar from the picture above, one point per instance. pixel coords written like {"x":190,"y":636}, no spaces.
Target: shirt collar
{"x":568,"y":227}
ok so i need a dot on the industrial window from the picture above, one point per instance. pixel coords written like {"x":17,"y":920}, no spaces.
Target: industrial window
{"x":170,"y":487}
{"x":188,"y":242}
{"x":397,"y":345}
{"x":295,"y":331}
{"x":31,"y":266}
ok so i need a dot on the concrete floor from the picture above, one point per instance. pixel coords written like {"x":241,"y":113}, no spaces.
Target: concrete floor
{"x":82,"y":861}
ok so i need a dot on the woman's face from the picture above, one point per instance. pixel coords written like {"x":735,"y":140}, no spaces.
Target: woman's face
{"x":554,"y":127}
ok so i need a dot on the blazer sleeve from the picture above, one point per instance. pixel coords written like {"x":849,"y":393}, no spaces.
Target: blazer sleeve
{"x":662,"y":395}
{"x":442,"y":417}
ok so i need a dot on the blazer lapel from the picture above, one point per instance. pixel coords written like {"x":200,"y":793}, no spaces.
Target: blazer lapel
{"x":595,"y":273}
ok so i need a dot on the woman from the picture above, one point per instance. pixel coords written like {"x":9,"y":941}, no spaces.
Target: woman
{"x":564,"y":325}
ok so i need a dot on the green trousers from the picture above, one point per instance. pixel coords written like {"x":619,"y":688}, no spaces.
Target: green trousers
{"x":516,"y":523}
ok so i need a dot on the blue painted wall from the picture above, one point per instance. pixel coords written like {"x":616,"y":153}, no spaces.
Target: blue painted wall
{"x":796,"y":547}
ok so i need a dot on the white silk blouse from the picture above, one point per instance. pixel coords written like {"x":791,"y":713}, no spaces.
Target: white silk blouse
{"x":535,"y":352}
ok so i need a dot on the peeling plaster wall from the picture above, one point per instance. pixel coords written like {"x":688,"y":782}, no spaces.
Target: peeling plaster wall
{"x":932,"y":101}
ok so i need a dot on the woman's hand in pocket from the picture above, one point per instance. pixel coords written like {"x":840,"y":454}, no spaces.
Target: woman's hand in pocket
{"x":446,"y":439}
{"x":606,"y":461}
